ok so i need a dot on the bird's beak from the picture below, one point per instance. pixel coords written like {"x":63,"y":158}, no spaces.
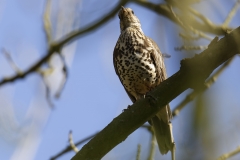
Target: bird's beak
{"x":122,"y":8}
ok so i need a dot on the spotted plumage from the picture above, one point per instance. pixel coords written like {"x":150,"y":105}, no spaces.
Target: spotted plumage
{"x":139,"y":65}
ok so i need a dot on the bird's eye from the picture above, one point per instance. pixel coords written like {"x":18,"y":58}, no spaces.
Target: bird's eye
{"x":132,"y":12}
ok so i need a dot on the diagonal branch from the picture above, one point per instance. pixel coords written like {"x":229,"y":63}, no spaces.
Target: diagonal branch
{"x":188,"y":27}
{"x":11,"y":61}
{"x":57,"y":46}
{"x":138,"y":152}
{"x":165,"y":11}
{"x":191,"y":96}
{"x":192,"y":74}
{"x":152,"y":148}
{"x":47,"y":21}
{"x":231,"y":14}
{"x":230,"y":154}
{"x":70,"y":139}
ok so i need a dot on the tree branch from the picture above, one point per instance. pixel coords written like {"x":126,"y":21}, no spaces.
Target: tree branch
{"x":47,"y":21}
{"x":57,"y":46}
{"x":230,"y":154}
{"x":11,"y":61}
{"x":191,"y":96}
{"x":70,"y":140}
{"x":192,"y":74}
{"x":164,"y":10}
{"x":152,"y":147}
{"x":231,"y":14}
{"x":138,"y":152}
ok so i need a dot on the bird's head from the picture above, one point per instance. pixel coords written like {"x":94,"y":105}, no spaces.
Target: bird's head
{"x":128,"y":19}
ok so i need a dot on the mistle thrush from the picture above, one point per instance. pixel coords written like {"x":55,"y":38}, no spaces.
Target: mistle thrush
{"x":139,"y":65}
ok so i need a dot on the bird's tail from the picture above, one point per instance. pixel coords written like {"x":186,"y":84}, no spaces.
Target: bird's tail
{"x":162,"y":127}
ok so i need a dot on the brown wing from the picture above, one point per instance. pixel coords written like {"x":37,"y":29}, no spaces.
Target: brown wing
{"x":159,"y":61}
{"x":161,"y":72}
{"x":161,"y":122}
{"x":115,"y":54}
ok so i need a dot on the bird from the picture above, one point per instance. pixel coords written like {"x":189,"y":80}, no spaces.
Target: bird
{"x":139,"y":64}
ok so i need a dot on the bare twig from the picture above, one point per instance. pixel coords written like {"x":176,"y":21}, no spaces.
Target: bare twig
{"x":63,"y":81}
{"x":190,"y":48}
{"x":230,"y":15}
{"x":195,"y":93}
{"x":230,"y":154}
{"x":69,"y":148}
{"x":153,"y":141}
{"x":70,"y":140}
{"x":187,"y":27}
{"x":138,"y":152}
{"x":188,"y":10}
{"x":189,"y":37}
{"x":11,"y":62}
{"x":152,"y":148}
{"x":47,"y":21}
{"x":43,"y":74}
{"x":204,"y":19}
{"x":48,"y":95}
{"x":73,"y":35}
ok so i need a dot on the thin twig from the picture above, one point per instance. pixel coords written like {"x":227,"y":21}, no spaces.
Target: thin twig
{"x":11,"y":62}
{"x":195,"y":93}
{"x":75,"y":34}
{"x":204,"y":19}
{"x":230,"y":154}
{"x":47,"y":21}
{"x":63,"y":81}
{"x":230,"y":15}
{"x":138,"y":152}
{"x":187,"y":8}
{"x":43,"y":74}
{"x":187,"y":27}
{"x":190,"y":48}
{"x":189,"y":37}
{"x":48,"y":95}
{"x":69,"y":148}
{"x":152,"y":148}
{"x":70,"y":140}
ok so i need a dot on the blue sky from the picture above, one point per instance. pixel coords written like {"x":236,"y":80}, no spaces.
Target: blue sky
{"x":93,"y":95}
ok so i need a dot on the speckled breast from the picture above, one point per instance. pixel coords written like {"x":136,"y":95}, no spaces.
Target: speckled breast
{"x":134,"y":63}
